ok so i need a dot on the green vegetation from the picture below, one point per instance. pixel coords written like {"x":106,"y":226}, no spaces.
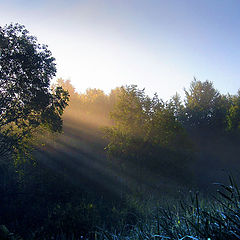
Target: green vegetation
{"x":194,"y":218}
{"x":124,"y":162}
{"x":26,"y":102}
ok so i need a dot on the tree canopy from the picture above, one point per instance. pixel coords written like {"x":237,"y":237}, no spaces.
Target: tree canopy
{"x":26,"y":99}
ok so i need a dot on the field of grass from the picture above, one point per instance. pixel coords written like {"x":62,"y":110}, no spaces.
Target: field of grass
{"x":194,"y":216}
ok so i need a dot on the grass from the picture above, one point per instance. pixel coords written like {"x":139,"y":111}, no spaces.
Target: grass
{"x":195,"y":217}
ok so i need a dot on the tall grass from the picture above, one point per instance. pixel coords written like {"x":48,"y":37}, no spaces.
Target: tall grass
{"x":195,"y":217}
{"x":216,"y":218}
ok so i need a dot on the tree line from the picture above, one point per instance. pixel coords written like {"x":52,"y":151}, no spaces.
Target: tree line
{"x":158,"y":138}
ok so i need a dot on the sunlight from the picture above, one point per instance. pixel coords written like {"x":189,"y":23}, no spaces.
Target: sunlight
{"x":108,"y":126}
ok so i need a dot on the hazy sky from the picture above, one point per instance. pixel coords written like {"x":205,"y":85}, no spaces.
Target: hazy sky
{"x":156,"y":44}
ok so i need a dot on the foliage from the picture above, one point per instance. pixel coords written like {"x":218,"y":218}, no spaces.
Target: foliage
{"x":140,"y":117}
{"x":146,"y":136}
{"x":201,"y":103}
{"x":233,"y":115}
{"x":195,"y":219}
{"x":91,"y":107}
{"x":26,"y":100}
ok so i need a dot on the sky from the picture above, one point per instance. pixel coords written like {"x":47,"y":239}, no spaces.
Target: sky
{"x":159,"y":45}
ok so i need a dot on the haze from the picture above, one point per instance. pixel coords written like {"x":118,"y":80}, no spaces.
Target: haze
{"x":159,"y":45}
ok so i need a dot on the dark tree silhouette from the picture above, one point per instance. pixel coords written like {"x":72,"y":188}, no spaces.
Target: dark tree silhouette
{"x":26,"y":100}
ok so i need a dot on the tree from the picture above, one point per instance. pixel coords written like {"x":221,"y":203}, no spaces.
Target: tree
{"x":233,"y":114}
{"x":201,"y":104}
{"x":129,"y":113}
{"x":91,"y":107}
{"x":150,"y":120}
{"x":146,"y":136}
{"x":26,"y":100}
{"x":176,"y":105}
